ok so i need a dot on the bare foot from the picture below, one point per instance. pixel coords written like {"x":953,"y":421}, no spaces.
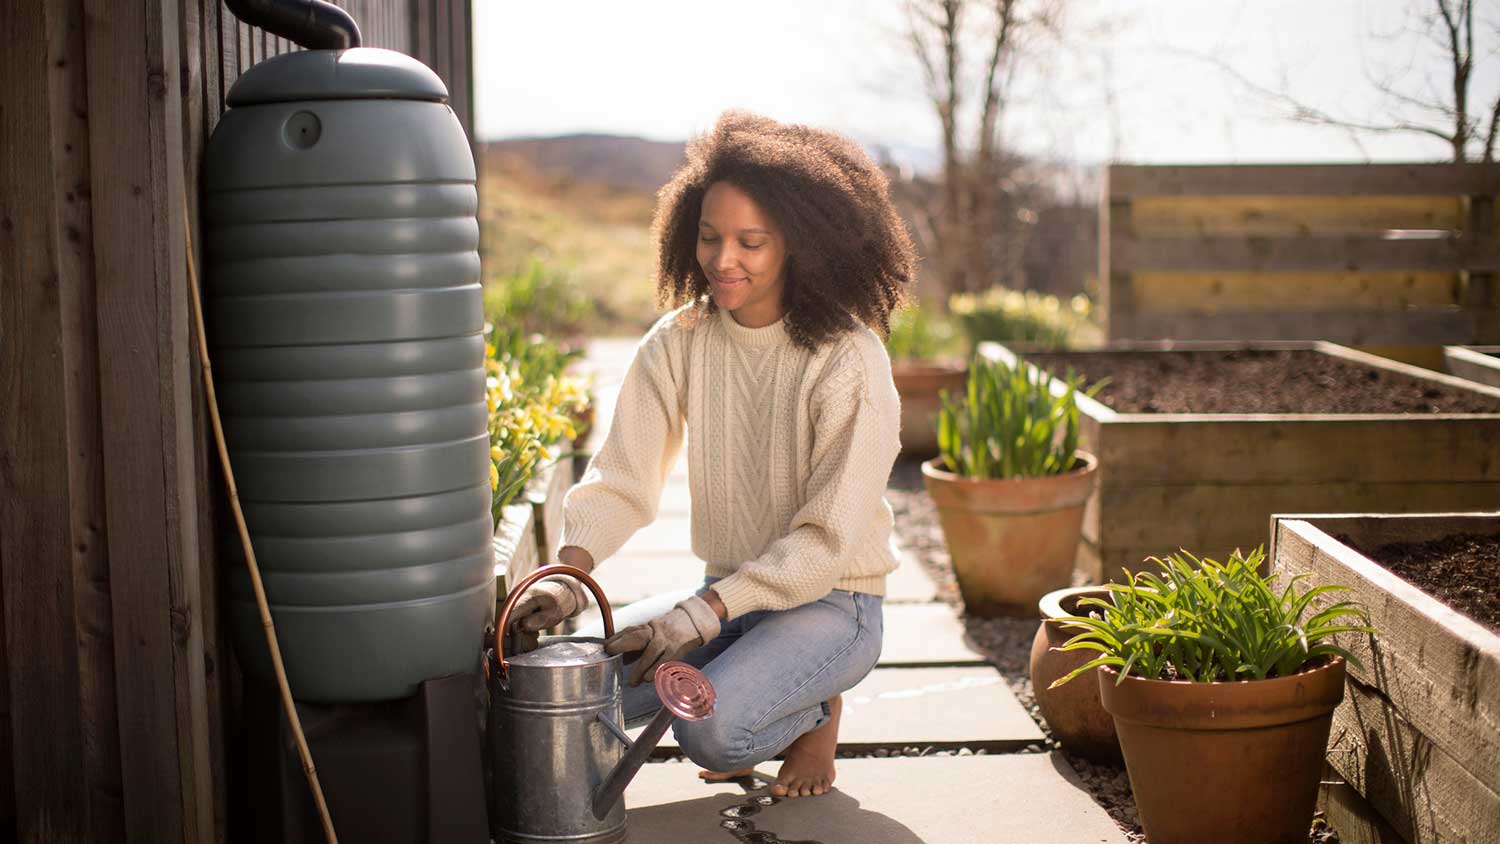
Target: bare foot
{"x":715,"y":776}
{"x":808,"y":769}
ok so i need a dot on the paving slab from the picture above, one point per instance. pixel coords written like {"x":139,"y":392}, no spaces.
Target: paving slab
{"x":1031,"y":798}
{"x":909,"y":584}
{"x":940,"y":708}
{"x":926,"y":635}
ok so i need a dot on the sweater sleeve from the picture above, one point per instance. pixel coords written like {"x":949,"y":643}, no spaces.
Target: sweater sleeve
{"x":621,"y":490}
{"x":855,"y":442}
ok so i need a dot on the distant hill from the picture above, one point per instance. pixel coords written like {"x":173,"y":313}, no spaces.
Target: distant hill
{"x":623,"y":163}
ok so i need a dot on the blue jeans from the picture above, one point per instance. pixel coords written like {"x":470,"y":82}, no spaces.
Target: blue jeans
{"x":772,"y":672}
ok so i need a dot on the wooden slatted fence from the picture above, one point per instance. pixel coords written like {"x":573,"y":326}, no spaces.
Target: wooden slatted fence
{"x":1400,"y":255}
{"x":114,"y":691}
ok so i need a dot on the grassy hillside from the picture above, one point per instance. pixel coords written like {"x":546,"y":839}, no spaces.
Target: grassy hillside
{"x":580,"y":247}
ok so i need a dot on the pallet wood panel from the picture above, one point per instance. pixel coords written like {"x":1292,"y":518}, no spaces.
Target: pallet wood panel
{"x":1351,"y":814}
{"x":1304,"y":179}
{"x":1373,"y":255}
{"x":1160,"y":216}
{"x":1440,"y":669}
{"x":515,"y":547}
{"x":1480,"y":364}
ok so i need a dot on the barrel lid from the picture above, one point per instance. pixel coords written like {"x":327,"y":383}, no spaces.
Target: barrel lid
{"x":359,"y":73}
{"x":561,"y":652}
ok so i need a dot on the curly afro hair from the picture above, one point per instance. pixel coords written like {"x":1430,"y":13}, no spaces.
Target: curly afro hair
{"x":848,"y":256}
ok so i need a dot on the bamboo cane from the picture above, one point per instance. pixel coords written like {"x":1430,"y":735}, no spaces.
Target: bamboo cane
{"x":239,"y":520}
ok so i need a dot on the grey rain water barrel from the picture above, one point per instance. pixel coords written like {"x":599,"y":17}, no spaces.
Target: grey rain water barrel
{"x":346,"y":334}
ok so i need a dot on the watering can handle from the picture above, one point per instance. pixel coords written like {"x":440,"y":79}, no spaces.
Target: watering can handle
{"x":515,"y":596}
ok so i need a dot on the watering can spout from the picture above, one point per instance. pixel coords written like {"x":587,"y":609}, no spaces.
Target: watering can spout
{"x":685,"y":693}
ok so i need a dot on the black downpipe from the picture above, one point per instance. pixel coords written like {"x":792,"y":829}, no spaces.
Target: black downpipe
{"x":313,"y":24}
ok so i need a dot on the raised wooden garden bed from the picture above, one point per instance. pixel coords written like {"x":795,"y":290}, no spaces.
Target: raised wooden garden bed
{"x":545,"y":492}
{"x":515,"y":547}
{"x":1476,"y":363}
{"x":1206,"y":469}
{"x":1418,"y":734}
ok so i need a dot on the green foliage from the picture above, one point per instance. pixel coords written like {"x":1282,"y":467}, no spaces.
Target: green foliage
{"x":1003,"y":315}
{"x":1010,"y":423}
{"x":1206,"y":621}
{"x":537,"y":299}
{"x":918,"y":333}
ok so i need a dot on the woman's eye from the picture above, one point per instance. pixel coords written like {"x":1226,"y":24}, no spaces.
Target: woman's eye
{"x":703,"y":238}
{"x":751,"y":245}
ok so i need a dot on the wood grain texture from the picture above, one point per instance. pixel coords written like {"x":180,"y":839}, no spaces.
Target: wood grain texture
{"x":1269,"y":292}
{"x":515,"y":547}
{"x":1480,"y":364}
{"x":45,"y":737}
{"x":1422,"y":326}
{"x":1303,"y":180}
{"x":546,"y":492}
{"x":1438,"y":670}
{"x":1421,"y":791}
{"x":1294,"y":216}
{"x":1223,"y":253}
{"x":136,"y":157}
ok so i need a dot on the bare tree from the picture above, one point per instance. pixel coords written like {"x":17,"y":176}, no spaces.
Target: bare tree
{"x":974,"y":231}
{"x":1446,"y":113}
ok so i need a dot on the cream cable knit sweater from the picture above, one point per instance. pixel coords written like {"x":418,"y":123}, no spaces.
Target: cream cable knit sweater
{"x":789,"y":451}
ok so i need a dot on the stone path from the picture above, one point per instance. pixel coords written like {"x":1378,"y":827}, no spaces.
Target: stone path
{"x":930,"y":690}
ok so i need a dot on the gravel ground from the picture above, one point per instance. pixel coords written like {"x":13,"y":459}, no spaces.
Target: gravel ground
{"x":1007,"y":644}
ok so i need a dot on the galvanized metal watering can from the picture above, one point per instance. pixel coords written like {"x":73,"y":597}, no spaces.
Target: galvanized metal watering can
{"x":562,"y":758}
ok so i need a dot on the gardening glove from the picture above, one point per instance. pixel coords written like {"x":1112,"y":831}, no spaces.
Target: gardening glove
{"x":688,"y":625}
{"x":548,"y":603}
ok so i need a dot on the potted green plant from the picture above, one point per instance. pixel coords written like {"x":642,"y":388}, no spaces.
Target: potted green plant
{"x":1010,"y":485}
{"x":1222,"y":684}
{"x":918,"y":345}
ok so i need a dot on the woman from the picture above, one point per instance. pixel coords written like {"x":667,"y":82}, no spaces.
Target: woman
{"x":781,"y":257}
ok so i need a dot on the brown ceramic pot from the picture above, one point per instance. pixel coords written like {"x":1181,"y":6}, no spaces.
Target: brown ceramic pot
{"x":1231,"y":763}
{"x":1011,"y":540}
{"x":919,"y":385}
{"x":1072,"y":710}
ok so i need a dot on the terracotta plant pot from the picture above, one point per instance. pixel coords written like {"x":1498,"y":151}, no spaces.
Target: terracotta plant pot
{"x":1231,"y":763}
{"x":1012,"y":540}
{"x":1073,"y":710}
{"x":919,"y":384}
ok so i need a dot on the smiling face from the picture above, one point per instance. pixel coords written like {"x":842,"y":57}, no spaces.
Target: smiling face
{"x":743,"y":252}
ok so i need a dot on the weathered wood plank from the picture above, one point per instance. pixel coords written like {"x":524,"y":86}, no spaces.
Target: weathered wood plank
{"x":36,"y":507}
{"x":1480,"y":364}
{"x":1424,"y":326}
{"x":1440,"y":670}
{"x":1130,"y":253}
{"x":515,"y":547}
{"x":1303,"y":179}
{"x":136,"y":158}
{"x":1213,"y":519}
{"x":1294,"y":216}
{"x":1424,"y":793}
{"x":546,"y":496}
{"x":460,"y":88}
{"x":1173,"y":449}
{"x":1351,"y":814}
{"x":1275,"y":292}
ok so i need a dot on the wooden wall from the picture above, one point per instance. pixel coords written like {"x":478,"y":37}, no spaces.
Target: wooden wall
{"x":1301,"y":252}
{"x":112,"y":670}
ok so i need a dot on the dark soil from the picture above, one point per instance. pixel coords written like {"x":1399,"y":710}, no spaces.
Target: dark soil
{"x":1256,"y":381}
{"x":1006,"y":643}
{"x":1462,"y":571}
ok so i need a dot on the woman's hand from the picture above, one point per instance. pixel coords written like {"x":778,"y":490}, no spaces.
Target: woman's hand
{"x":690,"y":624}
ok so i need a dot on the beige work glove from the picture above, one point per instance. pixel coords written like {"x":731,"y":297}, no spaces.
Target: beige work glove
{"x":690,"y":624}
{"x":548,"y":603}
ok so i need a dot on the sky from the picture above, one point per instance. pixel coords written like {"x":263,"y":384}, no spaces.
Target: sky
{"x":1146,"y":81}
